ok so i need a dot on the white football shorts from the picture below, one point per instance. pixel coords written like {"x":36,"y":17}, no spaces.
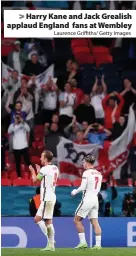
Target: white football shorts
{"x":46,"y":210}
{"x":88,"y":208}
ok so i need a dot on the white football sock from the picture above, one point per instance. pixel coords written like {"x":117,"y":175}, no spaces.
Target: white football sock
{"x":98,"y":240}
{"x":42,"y":227}
{"x":82,"y":238}
{"x":51,"y":234}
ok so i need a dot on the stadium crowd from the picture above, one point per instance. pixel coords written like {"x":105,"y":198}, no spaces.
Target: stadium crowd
{"x":86,"y":101}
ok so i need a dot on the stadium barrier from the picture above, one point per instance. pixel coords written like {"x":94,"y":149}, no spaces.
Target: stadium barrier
{"x":22,"y":232}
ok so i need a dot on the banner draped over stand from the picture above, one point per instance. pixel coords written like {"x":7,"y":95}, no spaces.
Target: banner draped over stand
{"x":108,"y":159}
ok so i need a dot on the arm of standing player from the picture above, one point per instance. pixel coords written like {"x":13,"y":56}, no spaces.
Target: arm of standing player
{"x":82,"y":186}
{"x":34,"y":177}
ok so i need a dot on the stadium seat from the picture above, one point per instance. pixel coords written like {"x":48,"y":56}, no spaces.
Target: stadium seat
{"x":5,"y":182}
{"x":4,"y":174}
{"x":12,"y":175}
{"x":11,"y":167}
{"x":22,"y":182}
{"x":76,"y":183}
{"x":35,"y":160}
{"x":64,"y":182}
{"x":25,"y":175}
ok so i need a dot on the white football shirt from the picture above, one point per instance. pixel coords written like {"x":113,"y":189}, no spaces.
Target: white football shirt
{"x":91,"y":184}
{"x":48,"y":176}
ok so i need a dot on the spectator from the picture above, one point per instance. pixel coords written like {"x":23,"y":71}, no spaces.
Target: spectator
{"x":98,"y":94}
{"x":28,"y":102}
{"x":20,"y":131}
{"x":84,"y":125}
{"x":17,"y":110}
{"x":80,"y":138}
{"x":79,"y":93}
{"x":129,"y":95}
{"x":71,"y":129}
{"x":52,"y":136}
{"x":33,"y":67}
{"x":33,"y":47}
{"x":67,"y":103}
{"x":17,"y":58}
{"x":85,"y":111}
{"x":128,"y":206}
{"x":69,"y":66}
{"x":74,"y":72}
{"x":96,"y":134}
{"x":49,"y":97}
{"x":109,"y":103}
{"x":118,"y":127}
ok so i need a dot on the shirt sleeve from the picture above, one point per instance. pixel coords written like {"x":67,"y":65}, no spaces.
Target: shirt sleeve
{"x":83,"y":184}
{"x":41,"y":174}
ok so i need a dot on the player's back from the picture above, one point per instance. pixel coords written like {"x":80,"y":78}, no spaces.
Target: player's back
{"x":51,"y":173}
{"x":94,"y":180}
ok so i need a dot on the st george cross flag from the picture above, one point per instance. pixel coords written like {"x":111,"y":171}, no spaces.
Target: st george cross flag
{"x":108,"y":159}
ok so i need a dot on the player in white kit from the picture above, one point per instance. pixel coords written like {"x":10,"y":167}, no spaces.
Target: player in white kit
{"x":48,"y":175}
{"x":89,"y":206}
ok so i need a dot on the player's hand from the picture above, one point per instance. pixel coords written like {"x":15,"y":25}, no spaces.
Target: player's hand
{"x":73,"y":193}
{"x":37,"y":168}
{"x":31,"y":168}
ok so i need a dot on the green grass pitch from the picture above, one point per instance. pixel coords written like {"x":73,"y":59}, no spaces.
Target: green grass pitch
{"x":70,"y":252}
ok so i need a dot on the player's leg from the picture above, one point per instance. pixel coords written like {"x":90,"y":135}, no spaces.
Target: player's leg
{"x":39,"y":219}
{"x":97,"y":231}
{"x":81,"y":213}
{"x":93,"y":216}
{"x":48,"y":216}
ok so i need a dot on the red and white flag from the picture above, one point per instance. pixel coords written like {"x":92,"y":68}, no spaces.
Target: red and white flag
{"x":39,"y":80}
{"x":108,"y":159}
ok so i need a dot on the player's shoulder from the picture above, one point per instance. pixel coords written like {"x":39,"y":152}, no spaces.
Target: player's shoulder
{"x":43,"y":169}
{"x":54,"y":167}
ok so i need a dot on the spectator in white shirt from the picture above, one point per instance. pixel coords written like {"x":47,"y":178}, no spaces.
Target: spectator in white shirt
{"x":67,"y":100}
{"x":17,"y":58}
{"x":49,"y":97}
{"x":20,"y":131}
{"x":28,"y":105}
{"x":98,"y":94}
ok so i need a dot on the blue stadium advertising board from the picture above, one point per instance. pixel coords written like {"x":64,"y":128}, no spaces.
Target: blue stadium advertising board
{"x":22,"y":232}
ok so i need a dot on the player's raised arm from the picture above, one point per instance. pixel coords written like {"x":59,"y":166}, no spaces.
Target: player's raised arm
{"x":82,"y":186}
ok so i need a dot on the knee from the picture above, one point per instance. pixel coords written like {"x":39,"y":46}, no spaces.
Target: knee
{"x":37,"y":219}
{"x":76,"y":220}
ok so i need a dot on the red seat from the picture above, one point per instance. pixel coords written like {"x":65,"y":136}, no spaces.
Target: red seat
{"x":4,"y":174}
{"x":64,"y":182}
{"x":12,"y":175}
{"x":25,"y":175}
{"x":11,"y":167}
{"x":5,"y":182}
{"x":22,"y":182}
{"x":76,"y":183}
{"x":35,"y":160}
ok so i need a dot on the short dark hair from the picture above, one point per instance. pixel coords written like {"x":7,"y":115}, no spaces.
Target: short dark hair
{"x":89,"y":158}
{"x":48,"y":154}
